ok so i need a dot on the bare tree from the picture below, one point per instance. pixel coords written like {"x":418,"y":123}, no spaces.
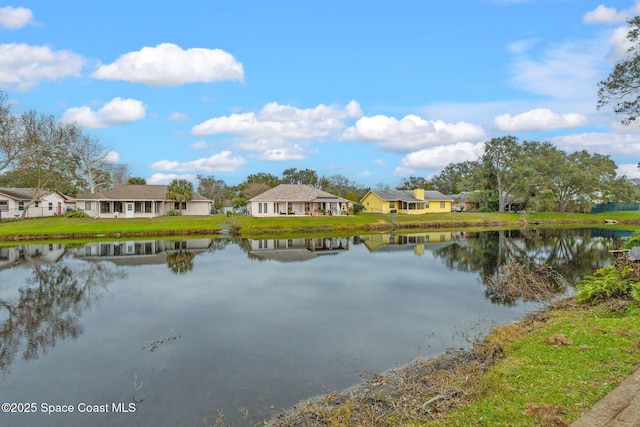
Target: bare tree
{"x":11,"y":137}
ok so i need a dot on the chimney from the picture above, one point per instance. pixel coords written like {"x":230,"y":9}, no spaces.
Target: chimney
{"x":418,"y":193}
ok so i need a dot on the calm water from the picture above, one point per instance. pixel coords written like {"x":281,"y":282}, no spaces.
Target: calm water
{"x":173,"y":333}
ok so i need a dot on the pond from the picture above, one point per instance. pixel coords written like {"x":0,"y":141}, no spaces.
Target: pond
{"x":182,"y":332}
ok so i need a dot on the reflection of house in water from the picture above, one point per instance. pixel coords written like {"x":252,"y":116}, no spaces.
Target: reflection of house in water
{"x":407,"y":241}
{"x":31,"y":254}
{"x":285,"y":250}
{"x":137,"y":252}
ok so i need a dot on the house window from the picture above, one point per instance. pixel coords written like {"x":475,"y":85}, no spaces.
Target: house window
{"x":441,"y":205}
{"x":392,"y":205}
{"x":259,"y":207}
{"x":265,"y":208}
{"x":117,"y":207}
{"x":147,"y":207}
{"x":87,"y":206}
{"x":4,"y":205}
{"x":20,"y":205}
{"x":138,"y":207}
{"x":50,"y":206}
{"x":426,"y":205}
{"x":176,"y":205}
{"x":105,"y":207}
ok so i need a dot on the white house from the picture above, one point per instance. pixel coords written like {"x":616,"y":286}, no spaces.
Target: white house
{"x":139,"y":201}
{"x":14,"y":203}
{"x":297,"y":199}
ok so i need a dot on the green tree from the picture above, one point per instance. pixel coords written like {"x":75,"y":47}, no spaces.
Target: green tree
{"x":623,"y":84}
{"x":457,"y":177}
{"x":263,"y":178}
{"x":414,"y":182}
{"x":181,"y":191}
{"x":302,"y":176}
{"x":136,"y":180}
{"x":213,"y":189}
{"x":500,"y":162}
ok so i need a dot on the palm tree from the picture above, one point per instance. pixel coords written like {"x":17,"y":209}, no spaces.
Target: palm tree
{"x":181,"y":191}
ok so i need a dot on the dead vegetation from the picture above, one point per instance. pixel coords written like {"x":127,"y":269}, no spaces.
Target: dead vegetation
{"x":526,"y":280}
{"x":425,"y":389}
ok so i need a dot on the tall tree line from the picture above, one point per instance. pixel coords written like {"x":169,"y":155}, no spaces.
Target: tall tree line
{"x":538,"y":174}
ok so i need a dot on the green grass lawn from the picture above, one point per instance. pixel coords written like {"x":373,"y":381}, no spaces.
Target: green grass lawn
{"x":62,"y":227}
{"x":552,"y":373}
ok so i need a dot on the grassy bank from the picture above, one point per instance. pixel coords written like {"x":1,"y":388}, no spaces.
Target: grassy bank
{"x":546,"y":370}
{"x":247,"y":226}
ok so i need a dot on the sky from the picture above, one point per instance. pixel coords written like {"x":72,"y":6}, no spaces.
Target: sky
{"x":375,"y":91}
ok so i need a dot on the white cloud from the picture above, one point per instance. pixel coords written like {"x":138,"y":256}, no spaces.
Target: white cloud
{"x":283,"y":121}
{"x":437,"y":157}
{"x":199,"y":145}
{"x":631,"y":171}
{"x":538,"y":119}
{"x":276,"y":129}
{"x":179,"y":117}
{"x":23,"y":66}
{"x":284,"y":154}
{"x":14,"y":18}
{"x":115,"y":112}
{"x":604,"y":15}
{"x":623,"y":145}
{"x":163,"y":178}
{"x":410,"y":133}
{"x":169,"y":65}
{"x":112,"y":157}
{"x":620,"y":44}
{"x":221,"y":162}
{"x":567,"y":71}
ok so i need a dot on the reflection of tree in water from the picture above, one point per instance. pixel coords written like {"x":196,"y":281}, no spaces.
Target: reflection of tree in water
{"x":571,"y":253}
{"x":180,"y":262}
{"x":48,"y":309}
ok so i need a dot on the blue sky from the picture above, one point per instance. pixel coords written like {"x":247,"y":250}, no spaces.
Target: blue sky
{"x":372,"y":90}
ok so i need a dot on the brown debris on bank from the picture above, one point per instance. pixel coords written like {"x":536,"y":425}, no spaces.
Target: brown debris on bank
{"x":419,"y":392}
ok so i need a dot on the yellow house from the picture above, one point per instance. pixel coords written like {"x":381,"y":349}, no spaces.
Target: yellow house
{"x":411,"y":202}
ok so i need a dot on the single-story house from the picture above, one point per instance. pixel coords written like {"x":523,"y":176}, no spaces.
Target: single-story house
{"x":412,"y":202}
{"x":14,"y":203}
{"x":297,"y":199}
{"x":139,"y":201}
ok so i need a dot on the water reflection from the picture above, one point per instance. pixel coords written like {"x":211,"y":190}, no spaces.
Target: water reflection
{"x":294,"y":250}
{"x":194,"y":326}
{"x":50,"y":302}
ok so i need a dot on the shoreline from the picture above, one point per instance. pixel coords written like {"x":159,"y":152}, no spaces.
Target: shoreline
{"x":257,"y":230}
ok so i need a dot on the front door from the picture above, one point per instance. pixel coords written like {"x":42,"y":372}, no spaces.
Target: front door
{"x":129,"y":209}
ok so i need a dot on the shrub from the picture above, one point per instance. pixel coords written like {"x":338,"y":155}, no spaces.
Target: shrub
{"x":633,"y":241}
{"x":173,"y":212}
{"x":609,"y":282}
{"x":76,"y":213}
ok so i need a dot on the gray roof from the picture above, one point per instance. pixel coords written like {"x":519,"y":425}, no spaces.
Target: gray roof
{"x":134,"y":192}
{"x":407,"y":195}
{"x":296,"y":193}
{"x":20,"y":193}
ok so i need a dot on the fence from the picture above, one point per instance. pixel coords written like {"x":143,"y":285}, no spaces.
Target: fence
{"x":611,"y":207}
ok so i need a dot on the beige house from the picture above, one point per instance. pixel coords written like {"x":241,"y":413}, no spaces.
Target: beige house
{"x":297,"y":199}
{"x":17,"y":203}
{"x":139,"y":201}
{"x":411,"y":202}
